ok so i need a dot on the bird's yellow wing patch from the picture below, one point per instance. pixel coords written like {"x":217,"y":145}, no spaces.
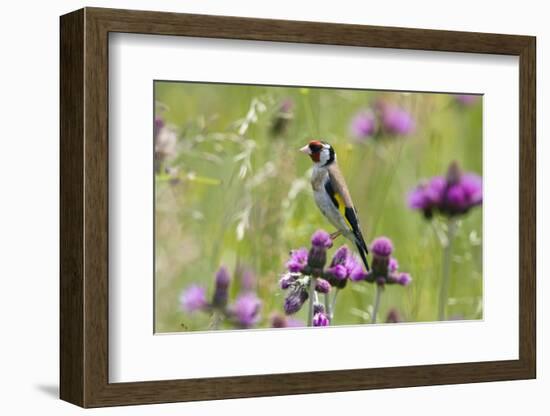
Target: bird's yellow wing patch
{"x":342,"y":207}
{"x":337,"y":201}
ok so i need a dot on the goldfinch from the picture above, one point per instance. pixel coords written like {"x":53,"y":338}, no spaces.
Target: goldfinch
{"x":332,"y":196}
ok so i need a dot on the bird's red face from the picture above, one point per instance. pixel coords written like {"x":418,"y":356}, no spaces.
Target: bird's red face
{"x":313,"y":149}
{"x":319,"y":152}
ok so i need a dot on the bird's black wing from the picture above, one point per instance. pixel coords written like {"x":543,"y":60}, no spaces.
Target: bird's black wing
{"x":333,"y":194}
{"x":351,"y":218}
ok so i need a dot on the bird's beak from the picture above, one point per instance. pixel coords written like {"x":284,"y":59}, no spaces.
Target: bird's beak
{"x":306,"y":149}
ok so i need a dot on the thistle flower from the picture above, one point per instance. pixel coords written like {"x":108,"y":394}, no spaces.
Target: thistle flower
{"x":287,"y":280}
{"x":451,"y":196}
{"x":165,"y":139}
{"x":297,"y":261}
{"x":467,"y":99}
{"x":385,"y":269}
{"x":283,"y":117}
{"x":246,"y":310}
{"x":322,"y":285}
{"x":158,"y":124}
{"x":382,"y":247}
{"x":393,"y":316}
{"x":321,"y":239}
{"x":403,"y":279}
{"x":395,"y":120}
{"x":318,"y":308}
{"x":222,"y":284}
{"x":248,"y":279}
{"x":320,"y":319}
{"x":295,"y":299}
{"x":363,"y":125}
{"x":344,"y":265}
{"x":281,"y":321}
{"x":317,"y":257}
{"x":393,"y":265}
{"x":193,"y":299}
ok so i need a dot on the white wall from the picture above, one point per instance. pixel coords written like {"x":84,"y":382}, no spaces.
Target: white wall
{"x":29,"y":207}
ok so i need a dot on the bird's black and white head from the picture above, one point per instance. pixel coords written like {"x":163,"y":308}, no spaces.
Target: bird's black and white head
{"x":321,"y":153}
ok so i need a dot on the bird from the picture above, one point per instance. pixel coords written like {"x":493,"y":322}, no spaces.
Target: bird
{"x":332,"y":196}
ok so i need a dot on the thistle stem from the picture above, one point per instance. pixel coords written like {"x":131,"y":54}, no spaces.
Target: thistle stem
{"x":312,"y":280}
{"x":216,"y":320}
{"x":327,"y":305}
{"x":332,"y":305}
{"x":379,"y":290}
{"x":447,"y":254}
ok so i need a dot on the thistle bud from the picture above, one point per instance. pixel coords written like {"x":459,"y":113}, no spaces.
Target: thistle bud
{"x":318,"y":308}
{"x":320,"y":319}
{"x":295,"y":300}
{"x":322,"y":285}
{"x":320,"y":242}
{"x":221,"y":290}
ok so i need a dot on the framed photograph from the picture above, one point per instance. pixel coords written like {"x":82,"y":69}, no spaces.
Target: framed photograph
{"x":255,"y":207}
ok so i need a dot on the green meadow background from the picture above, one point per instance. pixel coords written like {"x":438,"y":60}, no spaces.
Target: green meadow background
{"x":242,"y":196}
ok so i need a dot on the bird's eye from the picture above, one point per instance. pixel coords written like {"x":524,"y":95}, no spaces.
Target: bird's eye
{"x":314,"y":147}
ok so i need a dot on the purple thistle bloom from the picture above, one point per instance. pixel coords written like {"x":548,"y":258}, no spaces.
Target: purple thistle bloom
{"x":248,"y":280}
{"x":393,"y":316}
{"x":298,"y":260}
{"x":294,"y":300}
{"x":286,"y":107}
{"x":277,"y":320}
{"x":287,"y":280}
{"x":467,"y":99}
{"x":453,"y":195}
{"x":396,"y":120}
{"x":385,"y":269}
{"x":246,"y":310}
{"x":363,"y":125}
{"x":321,"y":239}
{"x":393,"y":265}
{"x":358,"y":275}
{"x":338,"y":271}
{"x":340,"y":256}
{"x":322,"y":285}
{"x":193,"y":298}
{"x":281,"y":321}
{"x":344,"y":263}
{"x":294,"y":323}
{"x":223,"y":278}
{"x":282,"y":118}
{"x":463,"y":191}
{"x":320,"y":319}
{"x":222,"y":284}
{"x":428,"y":196}
{"x":381,"y":280}
{"x":344,"y":266}
{"x":317,"y":257}
{"x":473,"y":188}
{"x":404,"y":279}
{"x":382,"y":247}
{"x":318,"y":308}
{"x":159,"y":124}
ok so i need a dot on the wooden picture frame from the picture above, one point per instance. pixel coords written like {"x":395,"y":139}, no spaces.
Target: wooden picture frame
{"x":84,"y":207}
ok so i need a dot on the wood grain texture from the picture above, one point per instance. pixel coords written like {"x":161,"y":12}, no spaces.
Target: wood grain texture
{"x":84,"y":207}
{"x":71,"y":219}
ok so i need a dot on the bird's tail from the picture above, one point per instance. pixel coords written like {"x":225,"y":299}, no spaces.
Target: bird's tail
{"x":361,"y":247}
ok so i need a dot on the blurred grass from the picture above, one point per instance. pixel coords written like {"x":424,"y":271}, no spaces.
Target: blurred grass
{"x":245,"y":199}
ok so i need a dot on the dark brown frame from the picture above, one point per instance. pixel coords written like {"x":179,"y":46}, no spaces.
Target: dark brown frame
{"x":84,"y":207}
